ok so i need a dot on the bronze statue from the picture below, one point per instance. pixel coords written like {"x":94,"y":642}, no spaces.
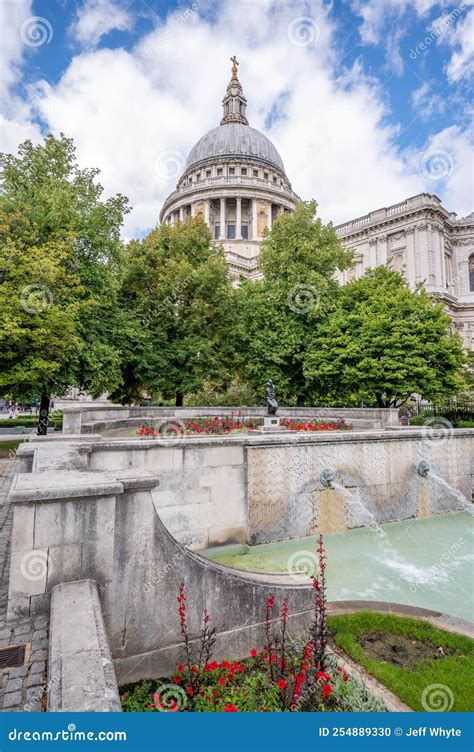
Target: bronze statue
{"x":234,"y":67}
{"x":272,"y":403}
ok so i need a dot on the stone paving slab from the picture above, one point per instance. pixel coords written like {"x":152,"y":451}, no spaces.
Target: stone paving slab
{"x":22,"y":688}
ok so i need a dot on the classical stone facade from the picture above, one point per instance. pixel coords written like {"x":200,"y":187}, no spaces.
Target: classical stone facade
{"x":235,"y":179}
{"x":430,"y":244}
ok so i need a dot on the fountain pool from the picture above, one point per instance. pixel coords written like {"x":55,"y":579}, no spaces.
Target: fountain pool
{"x":419,"y":562}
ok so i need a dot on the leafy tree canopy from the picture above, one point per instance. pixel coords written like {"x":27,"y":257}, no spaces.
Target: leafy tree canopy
{"x":299,"y":260}
{"x":179,"y":302}
{"x":59,"y":258}
{"x":383,"y":343}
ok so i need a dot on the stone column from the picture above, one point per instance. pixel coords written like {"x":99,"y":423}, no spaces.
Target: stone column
{"x":222,"y":220}
{"x":372,"y":260}
{"x":443,"y":281}
{"x":193,"y":209}
{"x":382,"y":251}
{"x":269,"y":220}
{"x":410,"y":256}
{"x":181,"y":213}
{"x":423,"y":252}
{"x":238,"y":219}
{"x":207,"y":212}
{"x":254,"y":219}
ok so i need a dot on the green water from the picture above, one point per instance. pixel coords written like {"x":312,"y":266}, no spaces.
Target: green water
{"x":425,"y":563}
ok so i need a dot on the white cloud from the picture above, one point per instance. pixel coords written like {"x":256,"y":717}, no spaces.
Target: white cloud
{"x":132,"y":113}
{"x":456,"y":29}
{"x":15,"y":122}
{"x":448,"y":155}
{"x":95,"y":18}
{"x":425,"y":102}
{"x":377,"y":14}
{"x":12,"y":15}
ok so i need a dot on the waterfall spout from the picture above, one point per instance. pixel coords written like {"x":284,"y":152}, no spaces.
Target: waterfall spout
{"x":423,"y":468}
{"x":326,"y":477}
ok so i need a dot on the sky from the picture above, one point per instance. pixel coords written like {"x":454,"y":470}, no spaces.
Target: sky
{"x":368,"y":102}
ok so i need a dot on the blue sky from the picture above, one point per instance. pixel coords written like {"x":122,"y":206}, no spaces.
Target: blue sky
{"x":367,"y":102}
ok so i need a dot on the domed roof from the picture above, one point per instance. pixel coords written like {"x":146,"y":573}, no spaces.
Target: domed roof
{"x":233,"y":140}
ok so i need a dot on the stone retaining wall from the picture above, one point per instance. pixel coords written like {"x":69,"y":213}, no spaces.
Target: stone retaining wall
{"x":104,"y":527}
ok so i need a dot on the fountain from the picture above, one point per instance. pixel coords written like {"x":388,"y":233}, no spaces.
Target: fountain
{"x":332,"y":514}
{"x":425,"y":470}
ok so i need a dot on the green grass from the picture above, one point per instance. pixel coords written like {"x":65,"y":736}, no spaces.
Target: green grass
{"x":7,"y":446}
{"x":455,"y":671}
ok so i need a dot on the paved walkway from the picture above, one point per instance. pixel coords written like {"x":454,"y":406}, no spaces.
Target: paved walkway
{"x":22,"y":688}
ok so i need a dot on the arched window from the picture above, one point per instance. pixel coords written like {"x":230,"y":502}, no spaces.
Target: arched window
{"x":471,"y":273}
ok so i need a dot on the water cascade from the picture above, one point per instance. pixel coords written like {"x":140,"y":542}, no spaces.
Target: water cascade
{"x":423,"y":468}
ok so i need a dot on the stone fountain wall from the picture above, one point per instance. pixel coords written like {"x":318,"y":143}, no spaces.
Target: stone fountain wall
{"x":261,"y":489}
{"x":375,"y":481}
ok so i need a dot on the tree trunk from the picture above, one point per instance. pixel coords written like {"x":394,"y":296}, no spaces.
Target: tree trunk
{"x":43,"y":415}
{"x":179,"y":399}
{"x":379,"y":399}
{"x":300,"y":400}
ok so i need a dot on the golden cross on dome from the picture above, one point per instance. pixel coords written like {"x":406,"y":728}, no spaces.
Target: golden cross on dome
{"x":234,"y":67}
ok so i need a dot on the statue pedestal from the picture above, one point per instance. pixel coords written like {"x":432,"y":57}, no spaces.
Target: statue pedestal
{"x":271,"y":424}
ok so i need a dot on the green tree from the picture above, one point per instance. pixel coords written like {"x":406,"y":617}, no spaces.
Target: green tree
{"x":59,"y":276}
{"x":383,"y":343}
{"x":278,"y":314}
{"x":179,"y":303}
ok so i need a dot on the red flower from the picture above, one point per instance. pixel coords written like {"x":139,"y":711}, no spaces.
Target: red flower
{"x":213,"y":666}
{"x":253,"y":652}
{"x":215,"y":693}
{"x":231,"y":708}
{"x":281,"y":684}
{"x":221,"y":681}
{"x":322,"y":676}
{"x":180,"y":668}
{"x":190,"y":691}
{"x":327,"y":690}
{"x":177,"y":680}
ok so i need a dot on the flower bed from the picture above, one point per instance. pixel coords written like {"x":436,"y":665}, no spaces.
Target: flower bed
{"x":225,"y":425}
{"x":314,"y":425}
{"x":206,"y":426}
{"x":283,"y":676}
